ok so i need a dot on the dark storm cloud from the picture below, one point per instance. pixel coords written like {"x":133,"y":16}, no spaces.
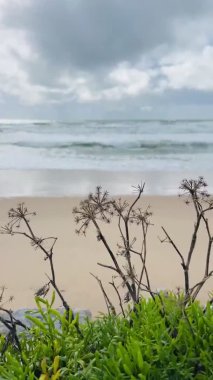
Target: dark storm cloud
{"x":90,"y":34}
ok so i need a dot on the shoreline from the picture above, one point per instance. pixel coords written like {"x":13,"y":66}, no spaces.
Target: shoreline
{"x":23,"y":269}
{"x":69,"y":183}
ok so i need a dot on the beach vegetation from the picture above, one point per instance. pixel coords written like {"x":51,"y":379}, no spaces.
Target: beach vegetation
{"x":161,"y":339}
{"x":148,"y":334}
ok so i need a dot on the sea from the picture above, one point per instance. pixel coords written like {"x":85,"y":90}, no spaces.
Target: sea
{"x":163,"y":147}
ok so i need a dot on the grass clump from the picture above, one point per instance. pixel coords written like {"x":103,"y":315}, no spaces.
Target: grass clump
{"x":160,"y":339}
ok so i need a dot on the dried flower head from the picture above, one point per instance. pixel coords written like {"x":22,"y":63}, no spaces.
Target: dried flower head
{"x":16,"y":217}
{"x":97,"y":206}
{"x":194,"y":188}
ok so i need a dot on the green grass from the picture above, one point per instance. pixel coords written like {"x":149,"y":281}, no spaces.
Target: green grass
{"x":159,"y":340}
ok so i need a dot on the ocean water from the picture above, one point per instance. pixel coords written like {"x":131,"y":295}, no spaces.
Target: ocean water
{"x":49,"y":158}
{"x":163,"y":145}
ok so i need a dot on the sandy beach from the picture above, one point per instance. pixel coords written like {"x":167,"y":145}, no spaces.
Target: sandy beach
{"x":23,"y":269}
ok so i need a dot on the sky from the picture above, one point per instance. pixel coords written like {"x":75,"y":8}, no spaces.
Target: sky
{"x":114,"y":59}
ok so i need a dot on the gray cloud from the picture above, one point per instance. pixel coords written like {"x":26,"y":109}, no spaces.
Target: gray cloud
{"x":97,"y":50}
{"x":88,"y":34}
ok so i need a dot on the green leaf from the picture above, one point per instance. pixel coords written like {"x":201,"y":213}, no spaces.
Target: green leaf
{"x":44,"y":365}
{"x":52,"y":299}
{"x":139,"y":360}
{"x":56,"y":364}
{"x":37,"y":322}
{"x":56,"y":376}
{"x":127,"y":369}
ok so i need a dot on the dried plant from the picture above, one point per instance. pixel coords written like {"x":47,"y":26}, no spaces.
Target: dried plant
{"x":19,"y":224}
{"x":99,"y":208}
{"x":10,"y":322}
{"x":4,"y":301}
{"x":195,"y":193}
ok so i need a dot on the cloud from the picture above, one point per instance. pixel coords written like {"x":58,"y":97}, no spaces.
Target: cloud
{"x":189,"y":71}
{"x":91,"y":34}
{"x":14,"y":80}
{"x":94,"y":33}
{"x":123,"y":81}
{"x":95,"y":52}
{"x":132,"y":81}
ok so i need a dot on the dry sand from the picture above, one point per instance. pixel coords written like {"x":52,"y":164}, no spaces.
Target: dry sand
{"x":23,"y":269}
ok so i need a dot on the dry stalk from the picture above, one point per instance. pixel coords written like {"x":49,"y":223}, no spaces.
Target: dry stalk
{"x":10,"y":322}
{"x":99,"y":208}
{"x":20,"y":224}
{"x":195,"y":193}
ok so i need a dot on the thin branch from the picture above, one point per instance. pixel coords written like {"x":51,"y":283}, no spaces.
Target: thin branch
{"x":197,"y":288}
{"x":209,"y":243}
{"x":140,"y":190}
{"x":108,"y":267}
{"x":174,"y":246}
{"x":109,"y":305}
{"x":184,"y":265}
{"x":119,"y":271}
{"x":193,"y":240}
{"x":119,"y":297}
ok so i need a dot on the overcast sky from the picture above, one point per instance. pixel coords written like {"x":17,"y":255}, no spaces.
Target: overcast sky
{"x":70,"y":59}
